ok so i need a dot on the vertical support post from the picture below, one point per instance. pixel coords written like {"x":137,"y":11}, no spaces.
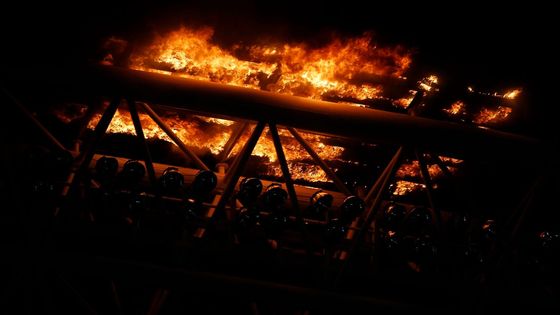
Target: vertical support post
{"x":373,"y":191}
{"x":288,"y":179}
{"x":140,"y":134}
{"x":82,"y":163}
{"x":229,"y":185}
{"x":429,"y":186}
{"x":371,"y":212}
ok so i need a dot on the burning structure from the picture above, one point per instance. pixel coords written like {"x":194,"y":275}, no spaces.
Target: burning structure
{"x":326,"y":175}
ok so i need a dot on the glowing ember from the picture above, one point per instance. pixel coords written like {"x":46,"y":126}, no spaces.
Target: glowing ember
{"x":510,"y":94}
{"x":402,"y":187}
{"x":412,"y":170}
{"x":488,"y":115}
{"x":456,"y":109}
{"x":450,"y":160}
{"x":334,"y":71}
{"x":303,"y":171}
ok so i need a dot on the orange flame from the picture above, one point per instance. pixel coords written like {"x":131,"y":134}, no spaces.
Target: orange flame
{"x":488,"y":115}
{"x":512,"y":94}
{"x":334,"y":71}
{"x":213,"y":139}
{"x":402,"y":187}
{"x":412,"y":170}
{"x":189,"y":131}
{"x":456,"y":109}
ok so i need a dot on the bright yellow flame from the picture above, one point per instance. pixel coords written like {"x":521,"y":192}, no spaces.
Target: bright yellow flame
{"x":433,"y":79}
{"x":428,"y":83}
{"x":332,"y":71}
{"x":512,"y":94}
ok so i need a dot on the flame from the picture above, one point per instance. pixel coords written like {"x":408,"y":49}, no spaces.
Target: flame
{"x":188,"y":131}
{"x":512,"y":94}
{"x":202,"y":138}
{"x":456,"y":109}
{"x":450,"y":160}
{"x":292,"y":149}
{"x":429,"y":83}
{"x":404,"y":102}
{"x":411,"y":171}
{"x":509,"y":94}
{"x":332,"y":71}
{"x":303,"y":171}
{"x":402,"y":187}
{"x":488,"y":115}
{"x":407,"y":170}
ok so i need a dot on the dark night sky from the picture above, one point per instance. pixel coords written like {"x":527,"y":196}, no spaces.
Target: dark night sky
{"x":498,"y":45}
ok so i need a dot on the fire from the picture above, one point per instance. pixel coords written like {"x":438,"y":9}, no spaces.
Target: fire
{"x":188,"y":131}
{"x":456,"y":109}
{"x":429,"y":83}
{"x":412,"y":170}
{"x":509,"y":94}
{"x":214,"y":136}
{"x":303,"y":171}
{"x":512,"y":94}
{"x":404,"y":102}
{"x":450,"y":160}
{"x":489,"y":115}
{"x":336,"y":70}
{"x":402,"y":187}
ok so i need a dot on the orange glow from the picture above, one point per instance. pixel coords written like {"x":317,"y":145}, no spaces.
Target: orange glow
{"x":335,"y":70}
{"x":192,"y":132}
{"x":292,"y":149}
{"x":512,"y":94}
{"x":429,"y":83}
{"x":189,"y":131}
{"x":304,"y":171}
{"x":408,"y":170}
{"x":456,"y":109}
{"x":450,"y":160}
{"x":488,"y":115}
{"x":404,"y":102}
{"x":402,"y":187}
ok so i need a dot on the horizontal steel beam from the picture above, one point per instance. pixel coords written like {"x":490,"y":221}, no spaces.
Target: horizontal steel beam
{"x":338,"y":119}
